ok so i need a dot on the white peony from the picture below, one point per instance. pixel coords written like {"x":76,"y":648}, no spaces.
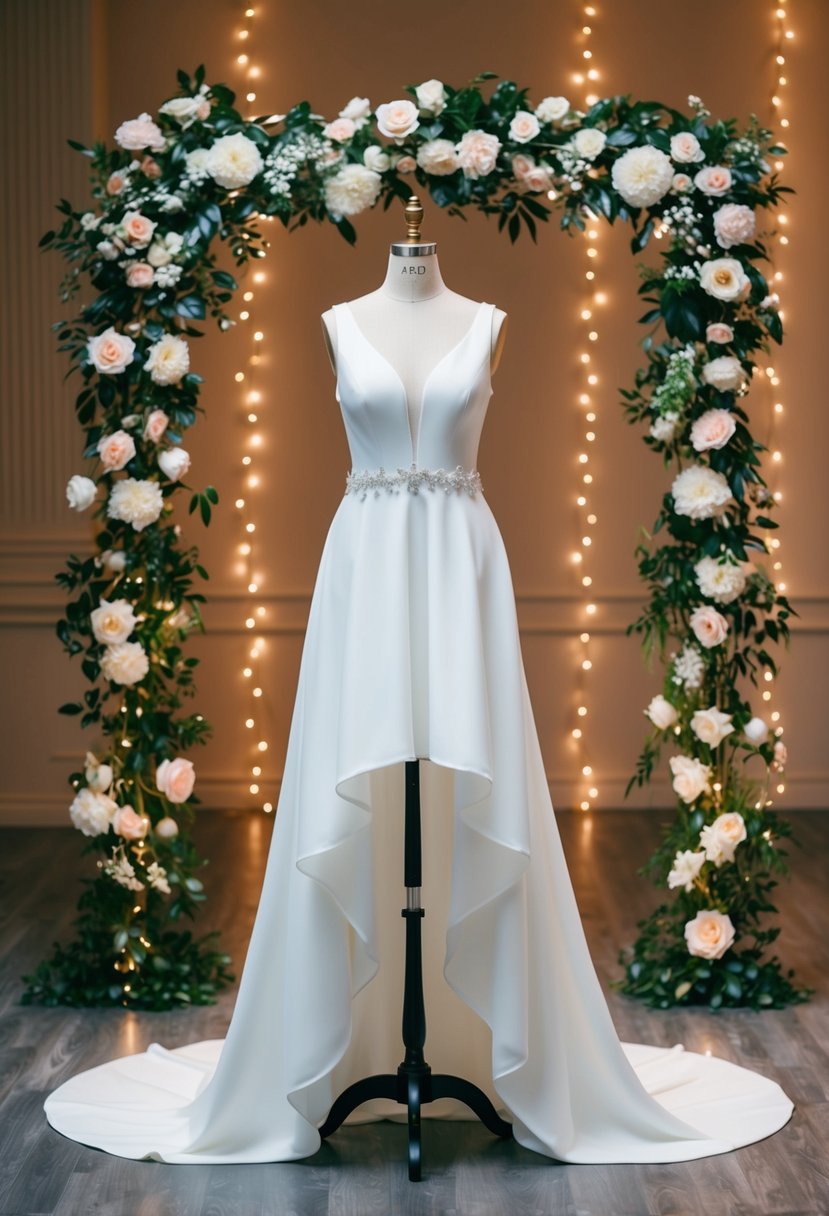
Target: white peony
{"x":196,"y":163}
{"x":685,"y":148}
{"x":351,"y":190}
{"x":174,"y":462}
{"x":112,"y":621}
{"x":110,"y":352}
{"x":734,"y":224}
{"x":685,"y":869}
{"x":709,"y":934}
{"x":721,"y":581}
{"x":431,"y":96}
{"x":92,"y":812}
{"x":589,"y":142}
{"x":711,"y":725}
{"x":700,"y":492}
{"x":642,"y":175}
{"x":661,"y":712}
{"x":135,"y":502}
{"x":725,"y":373}
{"x":723,"y":278}
{"x":756,"y":731}
{"x":720,"y":838}
{"x":168,"y":360}
{"x":551,"y":109}
{"x":80,"y":492}
{"x":125,"y":663}
{"x":438,"y":157}
{"x":233,"y":161}
{"x":376,"y":159}
{"x":477,"y":153}
{"x":691,"y":777}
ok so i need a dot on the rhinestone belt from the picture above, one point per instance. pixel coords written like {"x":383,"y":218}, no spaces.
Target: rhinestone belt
{"x":413,"y":478}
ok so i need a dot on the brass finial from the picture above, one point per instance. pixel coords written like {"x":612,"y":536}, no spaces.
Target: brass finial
{"x":414,"y":218}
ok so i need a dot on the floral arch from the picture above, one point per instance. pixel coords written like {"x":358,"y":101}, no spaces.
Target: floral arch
{"x":198,"y":173}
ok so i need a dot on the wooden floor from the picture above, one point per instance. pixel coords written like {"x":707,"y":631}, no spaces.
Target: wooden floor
{"x":361,"y":1171}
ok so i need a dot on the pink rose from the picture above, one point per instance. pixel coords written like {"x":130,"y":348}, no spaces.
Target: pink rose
{"x":524,"y":127}
{"x":150,"y":167}
{"x":340,"y":129}
{"x":710,"y":627}
{"x":140,"y":274}
{"x":116,"y":450}
{"x":709,"y":934}
{"x":680,"y":183}
{"x":116,"y":182}
{"x":685,"y":148}
{"x":110,"y":352}
{"x":477,"y":153}
{"x":713,"y":429}
{"x":138,"y":230}
{"x":713,"y":180}
{"x":397,"y":119}
{"x":734,"y":224}
{"x":203,"y":109}
{"x":130,"y":825}
{"x":719,"y":332}
{"x":538,"y":178}
{"x":175,"y":778}
{"x":405,"y":164}
{"x":155,"y":425}
{"x":522,"y":164}
{"x":140,"y":133}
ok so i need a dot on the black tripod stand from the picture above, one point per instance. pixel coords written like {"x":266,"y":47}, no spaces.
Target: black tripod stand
{"x":413,"y":1084}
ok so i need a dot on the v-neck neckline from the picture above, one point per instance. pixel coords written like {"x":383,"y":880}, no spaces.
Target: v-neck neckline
{"x":453,"y":350}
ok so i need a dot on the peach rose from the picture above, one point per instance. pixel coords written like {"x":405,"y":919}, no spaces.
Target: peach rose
{"x":340,"y":129}
{"x":719,"y":332}
{"x":175,"y":778}
{"x":110,"y":352}
{"x":720,"y":838}
{"x":140,"y":275}
{"x":681,"y":182}
{"x":477,"y":153}
{"x":713,"y":429}
{"x":522,"y":164}
{"x":137,"y":229}
{"x":713,"y":180}
{"x":524,"y":127}
{"x":116,"y":182}
{"x":150,"y":167}
{"x":156,"y":425}
{"x":406,"y":164}
{"x":710,"y":627}
{"x":397,"y":119}
{"x":709,"y":934}
{"x":685,"y":148}
{"x":538,"y":178}
{"x":116,"y":450}
{"x":127,"y":823}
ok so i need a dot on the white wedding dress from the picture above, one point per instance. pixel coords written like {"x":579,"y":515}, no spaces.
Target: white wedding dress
{"x":412,"y":650}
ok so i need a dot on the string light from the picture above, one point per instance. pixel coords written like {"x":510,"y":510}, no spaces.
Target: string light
{"x":249,"y":568}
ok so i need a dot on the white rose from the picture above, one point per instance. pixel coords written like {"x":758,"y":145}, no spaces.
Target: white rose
{"x":724,"y":373}
{"x":139,"y":133}
{"x":109,"y":250}
{"x":233,"y":161}
{"x":112,"y":621}
{"x":431,"y":96}
{"x":376,"y":159}
{"x":174,"y":462}
{"x":734,"y":224}
{"x":756,"y":731}
{"x":661,"y":712}
{"x":135,"y":502}
{"x":524,"y":127}
{"x":351,"y":190}
{"x":664,"y":427}
{"x":168,"y":360}
{"x":183,"y":110}
{"x":92,"y":812}
{"x":685,"y":869}
{"x":589,"y":142}
{"x":110,"y":353}
{"x":691,"y":777}
{"x":340,"y":129}
{"x":551,"y":109}
{"x":711,"y":725}
{"x":125,"y":663}
{"x":709,"y":934}
{"x":80,"y":492}
{"x":723,"y":278}
{"x":713,"y":180}
{"x":397,"y":119}
{"x":642,"y":175}
{"x":721,"y":581}
{"x":720,"y":838}
{"x":359,"y":108}
{"x":438,"y":157}
{"x":685,"y":148}
{"x":700,"y":492}
{"x":710,"y":627}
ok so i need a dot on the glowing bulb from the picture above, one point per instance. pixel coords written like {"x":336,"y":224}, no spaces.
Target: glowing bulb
{"x":262,"y":745}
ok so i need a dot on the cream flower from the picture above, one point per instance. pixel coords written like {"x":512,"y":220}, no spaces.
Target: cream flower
{"x":175,"y":779}
{"x":642,"y":175}
{"x":685,"y":869}
{"x":174,"y":462}
{"x":431,"y":96}
{"x":125,"y":663}
{"x":713,"y":180}
{"x":685,"y":148}
{"x":92,"y":812}
{"x":691,"y":777}
{"x":724,"y":278}
{"x":397,"y":119}
{"x":166,"y":828}
{"x":720,"y":838}
{"x":351,"y":190}
{"x":719,"y":332}
{"x":710,"y":627}
{"x":155,"y":425}
{"x":713,"y":429}
{"x":756,"y":730}
{"x":376,"y":159}
{"x":358,"y":110}
{"x":340,"y":129}
{"x":98,"y":776}
{"x":661,"y":712}
{"x":711,"y":725}
{"x":116,"y":450}
{"x":121,"y":870}
{"x":524,"y":127}
{"x":114,"y":560}
{"x":725,"y":373}
{"x":722,"y":581}
{"x":589,"y":142}
{"x":552,"y":109}
{"x":183,"y":110}
{"x":139,"y":133}
{"x":80,"y":492}
{"x":233,"y":161}
{"x":438,"y":157}
{"x":127,"y":823}
{"x":110,"y":353}
{"x":734,"y":224}
{"x":664,"y":426}
{"x":477,"y":153}
{"x":700,"y":492}
{"x":112,"y":621}
{"x":168,"y":360}
{"x":709,"y":934}
{"x":135,"y":502}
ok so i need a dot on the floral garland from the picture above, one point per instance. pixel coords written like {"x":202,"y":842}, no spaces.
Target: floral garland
{"x":199,"y":172}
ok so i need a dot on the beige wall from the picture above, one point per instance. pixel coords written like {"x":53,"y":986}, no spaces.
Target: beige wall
{"x":74,"y":68}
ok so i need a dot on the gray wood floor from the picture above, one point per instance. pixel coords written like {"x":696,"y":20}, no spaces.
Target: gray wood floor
{"x":361,"y":1171}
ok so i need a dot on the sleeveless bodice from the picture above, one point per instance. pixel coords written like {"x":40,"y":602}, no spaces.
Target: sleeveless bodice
{"x":375,"y":406}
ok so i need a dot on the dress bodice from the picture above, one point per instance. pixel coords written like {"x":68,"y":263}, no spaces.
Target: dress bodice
{"x":375,"y":406}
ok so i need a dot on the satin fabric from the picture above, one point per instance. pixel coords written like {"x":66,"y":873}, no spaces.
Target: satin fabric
{"x":412,"y":650}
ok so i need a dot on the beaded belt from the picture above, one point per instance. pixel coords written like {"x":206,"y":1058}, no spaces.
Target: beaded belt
{"x":413,"y":478}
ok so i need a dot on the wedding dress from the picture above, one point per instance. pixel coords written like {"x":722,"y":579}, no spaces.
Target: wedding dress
{"x":412,"y":650}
